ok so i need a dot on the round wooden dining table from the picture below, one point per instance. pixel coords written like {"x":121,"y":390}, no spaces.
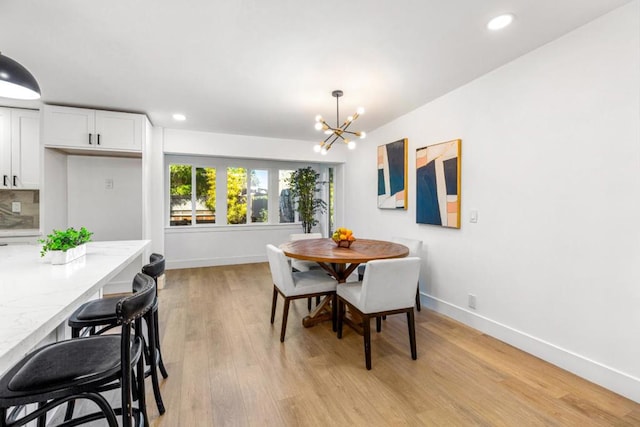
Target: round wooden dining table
{"x":339,"y":262}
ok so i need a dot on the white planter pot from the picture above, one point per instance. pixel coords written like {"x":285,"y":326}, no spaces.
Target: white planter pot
{"x":64,"y":257}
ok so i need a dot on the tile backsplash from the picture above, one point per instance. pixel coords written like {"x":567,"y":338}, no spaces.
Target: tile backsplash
{"x":27,"y":202}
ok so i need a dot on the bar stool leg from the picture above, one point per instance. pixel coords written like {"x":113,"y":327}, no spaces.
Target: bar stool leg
{"x":156,"y":328}
{"x":153,"y":360}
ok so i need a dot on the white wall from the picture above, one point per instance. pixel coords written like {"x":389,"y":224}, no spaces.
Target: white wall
{"x":153,"y":180}
{"x":551,"y":161}
{"x":53,"y":191}
{"x":111,"y":214}
{"x":243,"y":146}
{"x":221,"y":245}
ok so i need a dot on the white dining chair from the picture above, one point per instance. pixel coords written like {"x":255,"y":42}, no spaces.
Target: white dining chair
{"x":388,"y":287}
{"x":301,"y":265}
{"x":415,"y":250}
{"x":295,"y":285}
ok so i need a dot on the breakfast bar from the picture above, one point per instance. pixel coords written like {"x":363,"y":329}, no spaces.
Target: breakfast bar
{"x":36,"y":297}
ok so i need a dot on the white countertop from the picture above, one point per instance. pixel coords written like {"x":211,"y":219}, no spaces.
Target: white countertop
{"x":36,"y":297}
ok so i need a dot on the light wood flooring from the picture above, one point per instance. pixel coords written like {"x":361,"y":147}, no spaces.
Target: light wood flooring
{"x":227,"y":367}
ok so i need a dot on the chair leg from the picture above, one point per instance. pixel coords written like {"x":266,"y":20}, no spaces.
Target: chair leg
{"x":163,"y":370}
{"x":285,"y":315}
{"x":366,"y":333}
{"x":334,"y":312}
{"x":153,"y":361}
{"x":340,"y":315}
{"x":418,"y":304}
{"x":412,"y":333}
{"x":42,"y":419}
{"x":69,"y":412}
{"x":273,"y":304}
{"x":142,"y":403}
{"x":378,"y":323}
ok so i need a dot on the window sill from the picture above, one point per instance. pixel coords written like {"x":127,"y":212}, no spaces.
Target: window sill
{"x":226,"y":228}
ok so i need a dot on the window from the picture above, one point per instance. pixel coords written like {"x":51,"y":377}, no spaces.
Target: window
{"x":236,"y":196}
{"x":259,"y":195}
{"x":287,"y":214}
{"x":206,"y":196}
{"x":332,"y":201}
{"x":220,"y":191}
{"x":180,"y":195}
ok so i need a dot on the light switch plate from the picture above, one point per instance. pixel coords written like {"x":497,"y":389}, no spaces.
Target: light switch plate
{"x":473,"y":217}
{"x":16,"y":207}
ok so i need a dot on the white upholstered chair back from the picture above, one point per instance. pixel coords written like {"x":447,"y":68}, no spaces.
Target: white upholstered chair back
{"x":301,"y":265}
{"x":389,"y":284}
{"x":280,"y":270}
{"x":415,"y":246}
{"x":303,"y":236}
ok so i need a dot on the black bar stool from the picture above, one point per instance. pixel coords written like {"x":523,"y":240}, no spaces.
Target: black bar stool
{"x":97,"y":316}
{"x":82,"y":368}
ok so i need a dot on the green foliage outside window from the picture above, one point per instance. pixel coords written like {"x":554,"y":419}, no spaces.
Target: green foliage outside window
{"x":236,"y":196}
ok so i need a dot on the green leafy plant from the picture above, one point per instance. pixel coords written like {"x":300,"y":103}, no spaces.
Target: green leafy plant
{"x":64,"y":240}
{"x":303,"y":184}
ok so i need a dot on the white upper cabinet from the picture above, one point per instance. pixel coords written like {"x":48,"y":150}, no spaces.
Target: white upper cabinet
{"x":19,"y":149}
{"x":92,"y":129}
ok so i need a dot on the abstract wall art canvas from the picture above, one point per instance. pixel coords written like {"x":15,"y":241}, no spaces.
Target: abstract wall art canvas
{"x":392,"y":175}
{"x":438,"y":184}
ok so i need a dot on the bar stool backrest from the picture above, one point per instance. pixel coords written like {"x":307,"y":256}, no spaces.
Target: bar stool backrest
{"x":155,"y":268}
{"x":137,"y":304}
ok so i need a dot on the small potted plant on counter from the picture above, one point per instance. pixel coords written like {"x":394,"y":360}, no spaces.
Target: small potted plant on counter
{"x":65,"y":246}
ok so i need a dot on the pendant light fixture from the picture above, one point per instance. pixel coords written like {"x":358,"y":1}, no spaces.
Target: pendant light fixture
{"x":339,"y":132}
{"x":16,"y":81}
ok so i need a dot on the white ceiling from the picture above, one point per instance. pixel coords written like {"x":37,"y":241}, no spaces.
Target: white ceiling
{"x":267,"y":67}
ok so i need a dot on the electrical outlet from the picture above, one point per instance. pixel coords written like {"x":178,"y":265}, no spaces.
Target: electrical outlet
{"x":472,"y":301}
{"x":16,"y":207}
{"x":108,"y":184}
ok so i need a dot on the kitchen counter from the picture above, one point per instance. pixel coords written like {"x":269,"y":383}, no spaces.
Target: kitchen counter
{"x":36,"y":297}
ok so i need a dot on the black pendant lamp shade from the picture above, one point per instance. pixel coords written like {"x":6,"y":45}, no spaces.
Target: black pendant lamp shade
{"x":16,"y":81}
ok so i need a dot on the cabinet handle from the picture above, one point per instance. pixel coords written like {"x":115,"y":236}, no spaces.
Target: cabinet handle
{"x":90,"y":139}
{"x":15,"y":178}
{"x":4,"y":180}
{"x":98,"y":139}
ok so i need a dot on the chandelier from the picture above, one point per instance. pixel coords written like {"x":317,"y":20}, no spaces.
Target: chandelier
{"x":339,"y":132}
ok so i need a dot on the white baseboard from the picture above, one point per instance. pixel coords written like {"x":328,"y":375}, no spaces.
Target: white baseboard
{"x":212,"y":262}
{"x":605,"y":376}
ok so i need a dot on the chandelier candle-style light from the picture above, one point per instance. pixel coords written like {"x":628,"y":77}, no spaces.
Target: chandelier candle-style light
{"x":339,"y":132}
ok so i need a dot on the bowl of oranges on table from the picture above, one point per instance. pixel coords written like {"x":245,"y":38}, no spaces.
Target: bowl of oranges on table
{"x":343,"y":237}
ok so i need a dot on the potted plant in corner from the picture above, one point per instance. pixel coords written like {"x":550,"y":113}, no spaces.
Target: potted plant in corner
{"x":65,"y":246}
{"x":303,"y":184}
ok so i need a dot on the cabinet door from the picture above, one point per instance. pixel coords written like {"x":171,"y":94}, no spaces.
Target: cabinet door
{"x":119,"y":131}
{"x":5,"y":148}
{"x":25,"y":148}
{"x":69,"y":127}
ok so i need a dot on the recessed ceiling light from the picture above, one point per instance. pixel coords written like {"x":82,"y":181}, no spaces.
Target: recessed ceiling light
{"x":179,"y":117}
{"x":499,"y":22}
